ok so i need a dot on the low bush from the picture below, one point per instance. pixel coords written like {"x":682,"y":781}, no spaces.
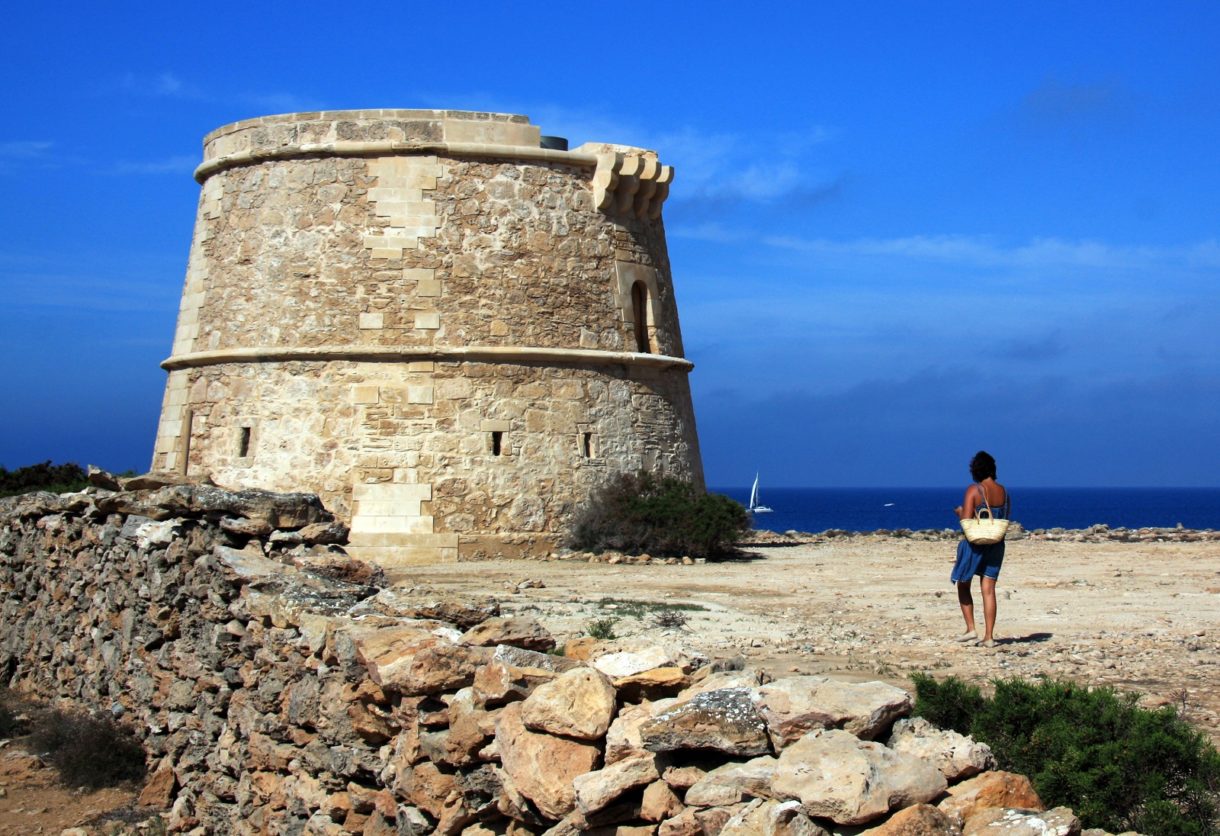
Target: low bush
{"x":88,"y":752}
{"x":56,"y":478}
{"x":602,"y":628}
{"x":659,"y":515}
{"x":1119,"y":766}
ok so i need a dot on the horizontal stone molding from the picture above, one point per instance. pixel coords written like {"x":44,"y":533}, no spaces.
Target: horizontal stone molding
{"x":386,"y":148}
{"x":454,"y":354}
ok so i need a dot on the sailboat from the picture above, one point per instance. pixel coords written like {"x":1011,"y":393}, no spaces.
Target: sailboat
{"x":755,"y":507}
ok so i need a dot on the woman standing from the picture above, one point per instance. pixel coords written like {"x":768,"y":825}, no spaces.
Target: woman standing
{"x":983,"y":561}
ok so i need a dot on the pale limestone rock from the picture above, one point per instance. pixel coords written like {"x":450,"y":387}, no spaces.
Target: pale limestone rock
{"x":596,"y":790}
{"x":995,"y":821}
{"x":957,"y":756}
{"x":990,"y":789}
{"x":685,"y":823}
{"x":768,"y":817}
{"x":916,"y":820}
{"x":835,"y":775}
{"x":733,"y":782}
{"x":724,"y":720}
{"x":542,"y":766}
{"x":659,"y":802}
{"x":516,"y":631}
{"x":799,"y":704}
{"x":631,"y":662}
{"x":579,"y":703}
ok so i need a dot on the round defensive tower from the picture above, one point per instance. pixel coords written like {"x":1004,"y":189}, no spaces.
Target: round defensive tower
{"x":440,"y":322}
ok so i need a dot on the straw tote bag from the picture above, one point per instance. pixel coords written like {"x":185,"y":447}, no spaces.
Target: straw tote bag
{"x":984,"y":528}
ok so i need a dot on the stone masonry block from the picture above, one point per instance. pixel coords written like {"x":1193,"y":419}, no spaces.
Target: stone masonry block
{"x":372,"y":321}
{"x":367,"y":393}
{"x":489,"y":425}
{"x":428,"y":320}
{"x":428,"y":288}
{"x":396,"y":492}
{"x":419,"y":394}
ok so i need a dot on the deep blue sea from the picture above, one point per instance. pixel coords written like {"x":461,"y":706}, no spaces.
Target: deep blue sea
{"x":868,"y":509}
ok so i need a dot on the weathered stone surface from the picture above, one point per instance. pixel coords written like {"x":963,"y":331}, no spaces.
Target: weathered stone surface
{"x":631,"y":662}
{"x":724,"y":720}
{"x":990,"y":789}
{"x":916,"y":820}
{"x":796,"y":705}
{"x":159,"y":787}
{"x":659,"y":802}
{"x":542,"y":766}
{"x":956,"y":755}
{"x":579,"y":703}
{"x":683,"y":777}
{"x":995,"y":821}
{"x":685,"y":823}
{"x":596,"y":790}
{"x":412,"y":659}
{"x":517,"y":631}
{"x":733,"y":782}
{"x":623,"y":737}
{"x":837,"y":776}
{"x":768,"y":817}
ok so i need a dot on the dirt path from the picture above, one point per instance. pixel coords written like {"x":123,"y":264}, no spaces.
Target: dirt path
{"x":1141,"y":616}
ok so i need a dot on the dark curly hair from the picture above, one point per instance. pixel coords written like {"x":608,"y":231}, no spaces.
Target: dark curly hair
{"x":982,"y":466}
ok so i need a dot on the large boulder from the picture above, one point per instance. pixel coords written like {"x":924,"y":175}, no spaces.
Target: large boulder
{"x":796,"y":705}
{"x":836,"y":775}
{"x":542,"y":766}
{"x":990,"y":789}
{"x":579,"y":703}
{"x":724,"y":720}
{"x":956,"y":755}
{"x":596,"y":790}
{"x":515,"y":631}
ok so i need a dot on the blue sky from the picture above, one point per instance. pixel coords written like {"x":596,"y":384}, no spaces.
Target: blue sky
{"x":899,"y":231}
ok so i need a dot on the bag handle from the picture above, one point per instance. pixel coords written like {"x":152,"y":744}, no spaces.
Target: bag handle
{"x":978,"y":512}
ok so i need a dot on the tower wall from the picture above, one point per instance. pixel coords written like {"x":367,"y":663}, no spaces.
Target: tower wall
{"x":429,"y":320}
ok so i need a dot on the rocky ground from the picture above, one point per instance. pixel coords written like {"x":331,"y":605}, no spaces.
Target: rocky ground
{"x":1140,"y":615}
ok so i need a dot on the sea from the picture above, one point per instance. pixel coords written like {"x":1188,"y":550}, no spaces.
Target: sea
{"x":870,"y":509}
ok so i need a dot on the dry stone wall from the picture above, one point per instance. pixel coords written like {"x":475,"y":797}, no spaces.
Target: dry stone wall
{"x":381,"y":301}
{"x":280,"y":688}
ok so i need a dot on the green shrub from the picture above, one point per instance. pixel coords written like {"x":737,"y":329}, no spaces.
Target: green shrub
{"x":659,"y":515}
{"x":951,"y":704}
{"x":56,"y":478}
{"x":88,"y":752}
{"x":1119,"y":766}
{"x":602,"y":628}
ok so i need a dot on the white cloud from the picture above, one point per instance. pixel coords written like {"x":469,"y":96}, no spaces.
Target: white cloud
{"x":171,"y":165}
{"x":25,"y":149}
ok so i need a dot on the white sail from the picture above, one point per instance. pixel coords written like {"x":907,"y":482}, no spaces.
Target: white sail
{"x":755,"y":507}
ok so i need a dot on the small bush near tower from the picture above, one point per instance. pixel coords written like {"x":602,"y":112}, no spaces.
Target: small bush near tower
{"x":658,"y":515}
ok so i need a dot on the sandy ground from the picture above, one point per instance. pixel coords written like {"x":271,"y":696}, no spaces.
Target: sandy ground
{"x":1144,"y":617}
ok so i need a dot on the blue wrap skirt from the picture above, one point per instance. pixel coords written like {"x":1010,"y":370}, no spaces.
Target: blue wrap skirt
{"x":984,"y":561}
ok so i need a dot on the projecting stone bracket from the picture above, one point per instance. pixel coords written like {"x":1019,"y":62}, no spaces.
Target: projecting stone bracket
{"x":628,"y":181}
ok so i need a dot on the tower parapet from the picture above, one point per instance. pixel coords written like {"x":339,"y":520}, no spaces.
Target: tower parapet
{"x":449,"y":332}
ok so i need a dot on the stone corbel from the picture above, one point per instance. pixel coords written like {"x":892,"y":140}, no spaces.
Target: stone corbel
{"x":630,"y":182}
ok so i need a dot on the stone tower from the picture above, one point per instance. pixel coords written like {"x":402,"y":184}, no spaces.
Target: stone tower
{"x":446,"y":327}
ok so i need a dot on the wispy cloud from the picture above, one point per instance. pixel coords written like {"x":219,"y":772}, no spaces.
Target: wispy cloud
{"x":170,"y":165}
{"x":168,"y":85}
{"x":989,"y":252}
{"x":26,"y":153}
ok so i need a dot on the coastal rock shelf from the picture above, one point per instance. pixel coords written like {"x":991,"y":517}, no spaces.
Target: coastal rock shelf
{"x":279,"y":687}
